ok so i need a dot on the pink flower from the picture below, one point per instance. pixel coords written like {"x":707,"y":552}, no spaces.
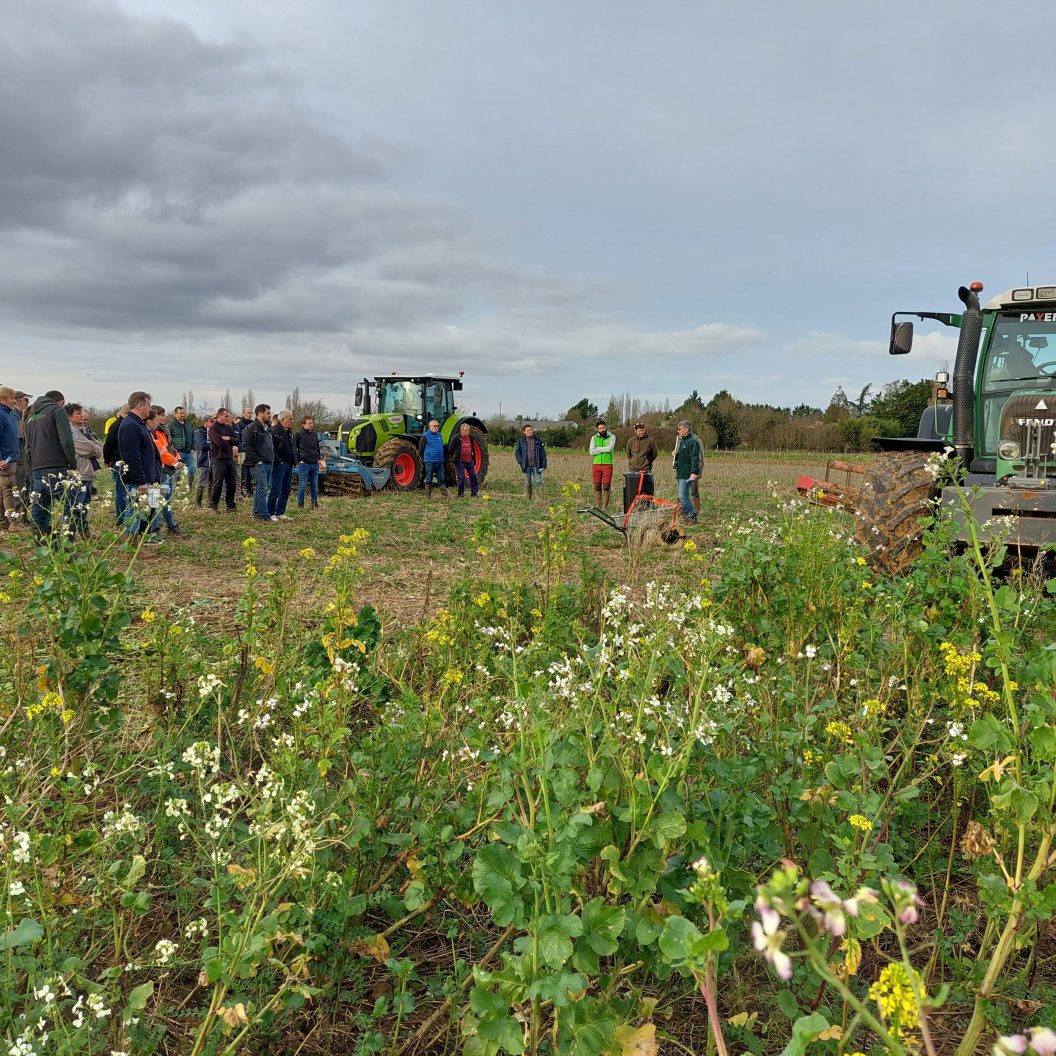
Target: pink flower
{"x":768,"y":941}
{"x":1043,"y":1041}
{"x":833,"y":908}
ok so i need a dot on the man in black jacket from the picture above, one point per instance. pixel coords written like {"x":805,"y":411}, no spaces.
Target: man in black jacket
{"x":223,"y":450}
{"x":201,"y":455}
{"x":259,"y":448}
{"x":282,"y":467}
{"x":309,"y":455}
{"x":247,"y":419}
{"x":141,"y":469}
{"x":52,"y":458}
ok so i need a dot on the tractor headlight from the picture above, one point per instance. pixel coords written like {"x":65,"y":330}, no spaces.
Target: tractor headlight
{"x":1008,"y":450}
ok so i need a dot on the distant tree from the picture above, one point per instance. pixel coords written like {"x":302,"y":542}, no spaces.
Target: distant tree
{"x":584,"y":411}
{"x":903,"y":402}
{"x":863,"y":399}
{"x":804,"y":410}
{"x":229,"y":402}
{"x":840,"y":407}
{"x":694,"y":400}
{"x":721,"y":413}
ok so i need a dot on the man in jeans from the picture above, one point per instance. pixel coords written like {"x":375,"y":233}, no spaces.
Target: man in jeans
{"x":531,"y":457}
{"x":181,"y":437}
{"x":141,"y":467}
{"x":282,"y":467}
{"x":52,"y":458}
{"x":201,"y":454}
{"x":687,"y":467}
{"x":431,"y":450}
{"x":8,"y":457}
{"x":259,"y":448}
{"x":461,"y":451}
{"x":89,"y":460}
{"x":223,"y":450}
{"x":309,"y":456}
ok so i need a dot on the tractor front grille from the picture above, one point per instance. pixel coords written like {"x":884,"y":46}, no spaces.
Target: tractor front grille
{"x":1030,"y":420}
{"x":367,"y":440}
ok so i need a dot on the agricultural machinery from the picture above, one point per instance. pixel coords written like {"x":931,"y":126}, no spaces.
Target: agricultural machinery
{"x":998,"y":420}
{"x":392,"y":413}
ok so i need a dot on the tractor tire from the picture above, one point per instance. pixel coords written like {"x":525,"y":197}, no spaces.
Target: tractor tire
{"x":400,"y":456}
{"x":480,"y":451}
{"x":896,"y":496}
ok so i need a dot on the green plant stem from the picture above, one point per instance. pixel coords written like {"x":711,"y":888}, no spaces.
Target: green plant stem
{"x":1001,"y":953}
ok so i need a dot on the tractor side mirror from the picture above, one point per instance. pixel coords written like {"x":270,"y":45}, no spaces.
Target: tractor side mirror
{"x":359,"y":395}
{"x":901,"y":339}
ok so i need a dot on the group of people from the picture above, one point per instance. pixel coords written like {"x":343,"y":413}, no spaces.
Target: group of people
{"x":50,"y":459}
{"x":642,"y":452}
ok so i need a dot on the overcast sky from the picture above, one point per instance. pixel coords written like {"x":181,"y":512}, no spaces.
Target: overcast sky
{"x":559,"y":197}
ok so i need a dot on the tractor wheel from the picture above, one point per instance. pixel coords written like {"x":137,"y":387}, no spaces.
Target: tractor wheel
{"x":401,"y":456}
{"x":895,"y":498}
{"x":480,"y":458}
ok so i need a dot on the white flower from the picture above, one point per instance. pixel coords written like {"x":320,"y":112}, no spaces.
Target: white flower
{"x":17,"y":888}
{"x":811,"y":651}
{"x":768,"y":940}
{"x":20,"y":854}
{"x":165,"y":950}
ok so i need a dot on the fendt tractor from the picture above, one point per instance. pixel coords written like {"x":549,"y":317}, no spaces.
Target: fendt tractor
{"x":387,"y":438}
{"x":998,"y":419}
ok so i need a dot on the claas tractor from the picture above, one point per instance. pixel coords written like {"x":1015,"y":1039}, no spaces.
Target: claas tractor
{"x":998,"y":420}
{"x":393,"y":411}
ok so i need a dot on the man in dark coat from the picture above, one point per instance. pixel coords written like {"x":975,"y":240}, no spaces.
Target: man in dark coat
{"x":52,"y":458}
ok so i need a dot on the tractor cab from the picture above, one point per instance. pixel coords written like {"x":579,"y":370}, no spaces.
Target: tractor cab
{"x":1017,"y":382}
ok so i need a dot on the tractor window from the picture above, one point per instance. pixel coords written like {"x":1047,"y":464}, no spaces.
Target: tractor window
{"x":439,"y":401}
{"x":1021,"y":355}
{"x":400,"y":397}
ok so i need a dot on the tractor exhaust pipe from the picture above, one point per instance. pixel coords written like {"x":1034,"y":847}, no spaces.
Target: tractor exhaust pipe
{"x":964,"y":374}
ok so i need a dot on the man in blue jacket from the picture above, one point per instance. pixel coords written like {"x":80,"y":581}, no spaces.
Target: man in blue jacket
{"x":8,"y":457}
{"x":141,"y":469}
{"x":431,"y":448}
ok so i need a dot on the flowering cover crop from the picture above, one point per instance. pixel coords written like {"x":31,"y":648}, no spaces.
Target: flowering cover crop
{"x":758,"y":799}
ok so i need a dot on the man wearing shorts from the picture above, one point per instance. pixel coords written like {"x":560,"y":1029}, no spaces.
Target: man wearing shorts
{"x":602,"y":445}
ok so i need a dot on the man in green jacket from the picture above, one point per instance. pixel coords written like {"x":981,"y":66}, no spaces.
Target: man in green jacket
{"x":181,"y":439}
{"x":602,"y":445}
{"x":687,"y":467}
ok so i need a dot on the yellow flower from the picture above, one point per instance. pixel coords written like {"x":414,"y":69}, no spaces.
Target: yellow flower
{"x":689,"y":546}
{"x":895,"y":992}
{"x":175,"y":630}
{"x":866,"y":585}
{"x":453,"y":677}
{"x":5,"y":599}
{"x":860,"y":561}
{"x":148,"y":616}
{"x":249,"y":543}
{"x":55,"y":771}
{"x":39,"y":580}
{"x":840,"y":731}
{"x":858,"y":821}
{"x":307,"y":553}
{"x":483,"y":551}
{"x":482,"y":599}
{"x":263,"y":665}
{"x":251,"y":570}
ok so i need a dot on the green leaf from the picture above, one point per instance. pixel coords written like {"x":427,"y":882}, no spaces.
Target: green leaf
{"x":669,"y":826}
{"x":602,"y":926}
{"x":486,"y":1003}
{"x":497,"y":878}
{"x":786,"y":1001}
{"x":27,"y":931}
{"x":138,"y":998}
{"x":555,"y":933}
{"x":804,"y":1031}
{"x":989,"y":735}
{"x":505,"y":1031}
{"x":683,"y":944}
{"x":1043,"y":743}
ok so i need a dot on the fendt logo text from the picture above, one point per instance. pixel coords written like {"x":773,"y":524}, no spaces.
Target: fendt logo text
{"x":1036,"y":421}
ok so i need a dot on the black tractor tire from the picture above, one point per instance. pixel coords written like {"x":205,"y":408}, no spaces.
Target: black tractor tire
{"x":896,"y":496}
{"x":401,"y":457}
{"x":480,"y":447}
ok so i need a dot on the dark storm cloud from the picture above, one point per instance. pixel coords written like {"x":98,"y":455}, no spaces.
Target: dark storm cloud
{"x":152,"y":181}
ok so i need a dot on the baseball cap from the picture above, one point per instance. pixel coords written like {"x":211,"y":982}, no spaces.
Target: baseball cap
{"x":639,"y":425}
{"x":20,"y":395}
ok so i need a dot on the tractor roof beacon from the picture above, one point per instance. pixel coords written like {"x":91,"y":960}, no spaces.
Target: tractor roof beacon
{"x":1001,"y":426}
{"x":393,"y":410}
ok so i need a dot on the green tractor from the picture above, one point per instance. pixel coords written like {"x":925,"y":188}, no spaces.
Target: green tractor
{"x":1000,"y":423}
{"x":393,"y":412}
